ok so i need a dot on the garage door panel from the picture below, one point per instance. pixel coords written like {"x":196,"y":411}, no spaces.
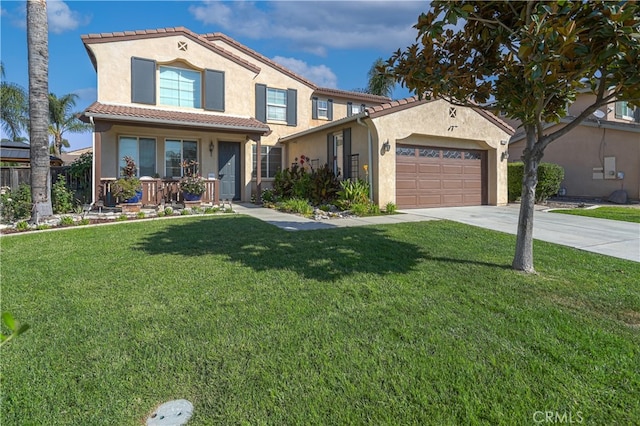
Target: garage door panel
{"x":454,"y":179}
{"x":452,"y":184}
{"x":429,"y":169}
{"x":452,"y":169}
{"x":429,"y":184}
{"x":407,"y":184}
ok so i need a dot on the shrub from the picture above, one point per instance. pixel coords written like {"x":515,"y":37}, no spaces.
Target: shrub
{"x":140,"y":215}
{"x":66,"y":221}
{"x":126,"y":187}
{"x":324,"y":185}
{"x":23,"y":225}
{"x":160,"y":213}
{"x":84,"y":221}
{"x":122,"y":217}
{"x":550,"y":177}
{"x":296,"y":205}
{"x":514,"y":180}
{"x":211,"y":210}
{"x":390,"y":208}
{"x":61,"y":196}
{"x":268,"y":196}
{"x":286,"y":180}
{"x":43,"y":226}
{"x":15,"y":205}
{"x":353,"y":192}
{"x":168,"y":211}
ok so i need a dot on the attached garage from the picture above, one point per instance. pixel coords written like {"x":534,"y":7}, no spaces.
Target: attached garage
{"x":440,"y":177}
{"x":419,"y":153}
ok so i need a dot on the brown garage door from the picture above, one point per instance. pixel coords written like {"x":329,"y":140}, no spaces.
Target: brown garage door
{"x":439,"y":177}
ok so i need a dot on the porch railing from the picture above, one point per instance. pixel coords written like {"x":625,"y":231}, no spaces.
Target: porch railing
{"x":159,"y":191}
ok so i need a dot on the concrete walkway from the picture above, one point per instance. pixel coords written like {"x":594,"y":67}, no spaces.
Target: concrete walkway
{"x":609,"y":237}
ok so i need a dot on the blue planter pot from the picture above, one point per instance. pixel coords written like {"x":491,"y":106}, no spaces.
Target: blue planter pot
{"x":191,"y":197}
{"x":135,"y":199}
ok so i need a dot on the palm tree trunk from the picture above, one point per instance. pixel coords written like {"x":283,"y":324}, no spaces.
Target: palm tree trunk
{"x":38,"y":47}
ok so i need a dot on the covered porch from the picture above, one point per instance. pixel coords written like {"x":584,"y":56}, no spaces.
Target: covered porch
{"x":159,"y":140}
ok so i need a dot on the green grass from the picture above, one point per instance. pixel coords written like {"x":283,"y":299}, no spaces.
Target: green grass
{"x":626,"y":214}
{"x":421,"y":323}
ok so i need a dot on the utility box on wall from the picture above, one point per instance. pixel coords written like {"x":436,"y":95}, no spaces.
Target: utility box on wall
{"x":610,"y":168}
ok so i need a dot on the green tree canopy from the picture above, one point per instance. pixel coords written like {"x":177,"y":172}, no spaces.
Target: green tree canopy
{"x":529,"y":60}
{"x":14,"y":107}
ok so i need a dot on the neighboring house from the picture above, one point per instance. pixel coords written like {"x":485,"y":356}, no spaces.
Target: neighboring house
{"x":19,"y":154}
{"x":599,"y":156}
{"x":71,"y":156}
{"x":170,"y":95}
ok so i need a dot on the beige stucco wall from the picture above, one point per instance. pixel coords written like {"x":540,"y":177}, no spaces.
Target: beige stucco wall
{"x":429,"y":124}
{"x":582,"y":150}
{"x":426,"y":124}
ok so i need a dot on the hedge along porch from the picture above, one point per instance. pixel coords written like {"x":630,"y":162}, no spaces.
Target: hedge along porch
{"x":159,"y":141}
{"x":419,"y":153}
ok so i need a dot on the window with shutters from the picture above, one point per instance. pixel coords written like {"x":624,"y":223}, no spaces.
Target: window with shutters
{"x":276,"y":104}
{"x":180,"y":87}
{"x":323,"y":108}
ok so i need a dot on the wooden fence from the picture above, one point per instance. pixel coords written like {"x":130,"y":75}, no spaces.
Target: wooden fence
{"x":159,"y":191}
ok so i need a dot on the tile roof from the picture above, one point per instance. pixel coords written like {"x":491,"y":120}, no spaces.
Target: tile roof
{"x":352,"y":95}
{"x":207,"y":40}
{"x":174,"y":118}
{"x":88,"y":39}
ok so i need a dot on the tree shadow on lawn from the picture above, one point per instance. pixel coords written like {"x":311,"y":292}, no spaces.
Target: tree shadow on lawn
{"x":323,"y":255}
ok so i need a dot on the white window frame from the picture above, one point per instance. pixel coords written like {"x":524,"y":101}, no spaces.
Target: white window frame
{"x":188,"y":97}
{"x":356,"y":109}
{"x":267,"y":173}
{"x":182,"y":158}
{"x":273,"y":105}
{"x":627,"y":111}
{"x":323,"y":108}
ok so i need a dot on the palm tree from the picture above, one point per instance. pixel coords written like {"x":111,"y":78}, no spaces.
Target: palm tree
{"x":380,"y":84}
{"x":14,"y":107}
{"x":38,"y":54}
{"x":62,"y":120}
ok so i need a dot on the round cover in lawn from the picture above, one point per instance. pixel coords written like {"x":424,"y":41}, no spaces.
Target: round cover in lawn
{"x":172,"y":413}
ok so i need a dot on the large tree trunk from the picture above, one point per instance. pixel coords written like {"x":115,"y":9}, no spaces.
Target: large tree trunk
{"x":523,"y":258}
{"x":38,"y":47}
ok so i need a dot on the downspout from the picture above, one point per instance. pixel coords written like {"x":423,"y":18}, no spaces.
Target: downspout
{"x":369,"y":157}
{"x":93,"y":160}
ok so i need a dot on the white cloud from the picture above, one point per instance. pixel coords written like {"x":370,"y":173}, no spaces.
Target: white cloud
{"x":318,"y":74}
{"x":61,"y":18}
{"x":315,"y":26}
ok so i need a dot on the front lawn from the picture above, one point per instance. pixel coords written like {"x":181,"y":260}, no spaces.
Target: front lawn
{"x":627,"y":214}
{"x":420,"y":323}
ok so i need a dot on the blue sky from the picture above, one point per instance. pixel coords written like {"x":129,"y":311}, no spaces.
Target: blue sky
{"x":332,"y":43}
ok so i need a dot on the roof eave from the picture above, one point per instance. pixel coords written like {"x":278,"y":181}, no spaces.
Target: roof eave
{"x":228,"y":127}
{"x":323,"y":127}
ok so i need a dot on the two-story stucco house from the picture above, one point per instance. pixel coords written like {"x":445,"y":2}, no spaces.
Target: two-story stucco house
{"x":599,"y":156}
{"x":169,"y":95}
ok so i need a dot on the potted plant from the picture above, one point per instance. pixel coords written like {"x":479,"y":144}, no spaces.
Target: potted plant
{"x":128,"y":188}
{"x":192,"y":184}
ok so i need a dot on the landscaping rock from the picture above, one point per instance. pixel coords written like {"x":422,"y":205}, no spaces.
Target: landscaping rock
{"x":619,"y":197}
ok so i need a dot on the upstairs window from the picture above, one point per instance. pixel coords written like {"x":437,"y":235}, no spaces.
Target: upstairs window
{"x":624,"y":111}
{"x":276,"y":104}
{"x":353,"y":109}
{"x":322,"y":109}
{"x":180,"y":87}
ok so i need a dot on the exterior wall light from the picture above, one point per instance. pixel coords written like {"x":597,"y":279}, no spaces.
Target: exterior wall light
{"x":211,"y":148}
{"x":386,"y":147}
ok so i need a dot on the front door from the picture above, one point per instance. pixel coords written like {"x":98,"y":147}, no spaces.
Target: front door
{"x":229,"y":170}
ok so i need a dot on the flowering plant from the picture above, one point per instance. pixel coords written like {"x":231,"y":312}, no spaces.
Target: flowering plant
{"x":192,"y":182}
{"x":126,"y":187}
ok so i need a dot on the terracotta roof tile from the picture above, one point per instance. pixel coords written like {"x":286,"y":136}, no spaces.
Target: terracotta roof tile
{"x":352,"y":95}
{"x":170,"y":117}
{"x":127,"y":35}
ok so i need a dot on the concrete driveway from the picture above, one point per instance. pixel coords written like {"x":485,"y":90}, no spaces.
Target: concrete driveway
{"x":610,"y":237}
